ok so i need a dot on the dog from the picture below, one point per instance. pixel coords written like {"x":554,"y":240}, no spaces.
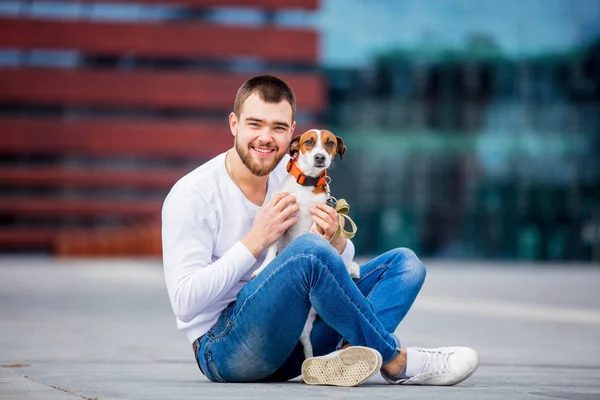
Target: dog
{"x":312,"y":153}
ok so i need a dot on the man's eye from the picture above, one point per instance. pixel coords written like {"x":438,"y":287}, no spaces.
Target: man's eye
{"x":309,"y":142}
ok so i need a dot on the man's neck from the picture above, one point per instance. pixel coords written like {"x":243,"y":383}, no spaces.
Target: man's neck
{"x":254,"y":187}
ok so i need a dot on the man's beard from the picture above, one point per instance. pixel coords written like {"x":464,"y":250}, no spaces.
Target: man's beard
{"x":256,"y":168}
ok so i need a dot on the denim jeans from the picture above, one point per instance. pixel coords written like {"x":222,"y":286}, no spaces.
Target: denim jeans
{"x":257,"y":336}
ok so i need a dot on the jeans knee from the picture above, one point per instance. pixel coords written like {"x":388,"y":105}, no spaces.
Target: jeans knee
{"x":411,"y":266}
{"x":314,"y":245}
{"x":319,"y":249}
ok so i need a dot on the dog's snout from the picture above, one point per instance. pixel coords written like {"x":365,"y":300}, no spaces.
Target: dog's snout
{"x":319,"y":158}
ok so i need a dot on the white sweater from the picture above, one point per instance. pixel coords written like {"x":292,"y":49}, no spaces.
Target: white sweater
{"x":204,"y":217}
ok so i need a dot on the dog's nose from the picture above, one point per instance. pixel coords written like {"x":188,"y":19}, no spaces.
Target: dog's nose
{"x":319,"y":158}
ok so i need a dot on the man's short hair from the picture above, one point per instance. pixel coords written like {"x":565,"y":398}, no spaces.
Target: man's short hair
{"x":269,"y":88}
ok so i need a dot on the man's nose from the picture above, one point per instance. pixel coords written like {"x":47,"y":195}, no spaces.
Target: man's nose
{"x":265,"y":135}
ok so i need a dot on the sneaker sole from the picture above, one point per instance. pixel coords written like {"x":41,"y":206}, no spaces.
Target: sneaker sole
{"x":350,"y":367}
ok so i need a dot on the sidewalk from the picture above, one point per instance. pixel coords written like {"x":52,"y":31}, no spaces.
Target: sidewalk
{"x":104,"y":330}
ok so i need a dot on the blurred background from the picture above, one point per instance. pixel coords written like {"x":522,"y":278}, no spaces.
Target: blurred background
{"x":473,"y":127}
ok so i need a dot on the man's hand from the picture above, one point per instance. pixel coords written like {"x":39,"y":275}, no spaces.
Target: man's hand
{"x":327,"y":218}
{"x":270,"y":222}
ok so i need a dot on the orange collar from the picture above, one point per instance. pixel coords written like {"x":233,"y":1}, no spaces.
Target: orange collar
{"x":303,"y":179}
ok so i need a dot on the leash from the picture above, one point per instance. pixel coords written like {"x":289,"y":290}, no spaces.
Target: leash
{"x":346,"y":227}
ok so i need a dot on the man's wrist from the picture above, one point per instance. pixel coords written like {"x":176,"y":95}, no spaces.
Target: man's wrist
{"x":253,"y":245}
{"x":339,"y":244}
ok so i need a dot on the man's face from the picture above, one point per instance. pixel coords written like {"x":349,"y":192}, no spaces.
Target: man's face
{"x":262,"y":133}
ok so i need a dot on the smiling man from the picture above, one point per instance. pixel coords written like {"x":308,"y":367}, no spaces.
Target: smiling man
{"x":217,"y":223}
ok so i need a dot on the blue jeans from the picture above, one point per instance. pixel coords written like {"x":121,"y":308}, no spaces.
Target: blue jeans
{"x":257,"y":336}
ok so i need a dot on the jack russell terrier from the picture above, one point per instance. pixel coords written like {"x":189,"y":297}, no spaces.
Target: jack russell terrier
{"x":312,"y":153}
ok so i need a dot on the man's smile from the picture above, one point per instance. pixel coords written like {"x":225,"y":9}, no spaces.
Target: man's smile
{"x":262,"y":151}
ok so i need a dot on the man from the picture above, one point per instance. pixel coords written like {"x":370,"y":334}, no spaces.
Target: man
{"x":217,"y":222}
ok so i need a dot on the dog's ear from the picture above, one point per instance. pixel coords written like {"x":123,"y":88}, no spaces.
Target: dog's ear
{"x":295,"y":146}
{"x":341,"y":148}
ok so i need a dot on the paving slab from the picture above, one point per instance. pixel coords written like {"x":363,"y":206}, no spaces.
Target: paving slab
{"x":103,"y":329}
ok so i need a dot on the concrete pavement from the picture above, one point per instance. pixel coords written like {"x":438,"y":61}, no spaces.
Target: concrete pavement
{"x":84,"y":329}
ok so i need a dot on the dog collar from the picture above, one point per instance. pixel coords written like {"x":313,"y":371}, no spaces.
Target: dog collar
{"x":303,"y":179}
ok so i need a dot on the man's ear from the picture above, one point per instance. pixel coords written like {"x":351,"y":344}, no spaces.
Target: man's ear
{"x":233,"y":123}
{"x":341,"y":148}
{"x":295,"y":146}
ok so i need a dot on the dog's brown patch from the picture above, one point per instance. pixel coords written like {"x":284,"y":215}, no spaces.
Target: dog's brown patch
{"x":319,"y":190}
{"x":329,"y":142}
{"x":307,"y":141}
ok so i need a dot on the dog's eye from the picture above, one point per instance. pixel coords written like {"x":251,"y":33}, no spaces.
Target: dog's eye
{"x":329,"y":143}
{"x":309,"y":142}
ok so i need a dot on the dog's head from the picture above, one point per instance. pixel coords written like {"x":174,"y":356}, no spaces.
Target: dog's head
{"x":315,"y":149}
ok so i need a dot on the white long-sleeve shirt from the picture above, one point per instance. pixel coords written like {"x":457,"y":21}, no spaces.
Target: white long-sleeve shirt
{"x":204,"y":217}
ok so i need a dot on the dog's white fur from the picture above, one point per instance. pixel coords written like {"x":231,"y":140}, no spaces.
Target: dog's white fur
{"x":306,"y":199}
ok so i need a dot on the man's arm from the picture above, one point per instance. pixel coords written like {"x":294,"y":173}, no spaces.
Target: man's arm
{"x":189,"y":227}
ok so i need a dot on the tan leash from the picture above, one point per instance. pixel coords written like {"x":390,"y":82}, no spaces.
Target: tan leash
{"x":346,"y":227}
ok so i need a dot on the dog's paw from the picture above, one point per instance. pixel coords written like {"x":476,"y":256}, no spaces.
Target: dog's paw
{"x":353,"y":269}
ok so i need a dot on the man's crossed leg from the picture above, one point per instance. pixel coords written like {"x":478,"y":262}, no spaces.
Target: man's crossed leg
{"x":256,"y":337}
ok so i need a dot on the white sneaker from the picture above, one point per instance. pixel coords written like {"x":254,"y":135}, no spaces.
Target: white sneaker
{"x":348,"y":367}
{"x":444,"y":366}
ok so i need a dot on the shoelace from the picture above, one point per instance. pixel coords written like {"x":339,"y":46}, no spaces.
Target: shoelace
{"x":437,"y":360}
